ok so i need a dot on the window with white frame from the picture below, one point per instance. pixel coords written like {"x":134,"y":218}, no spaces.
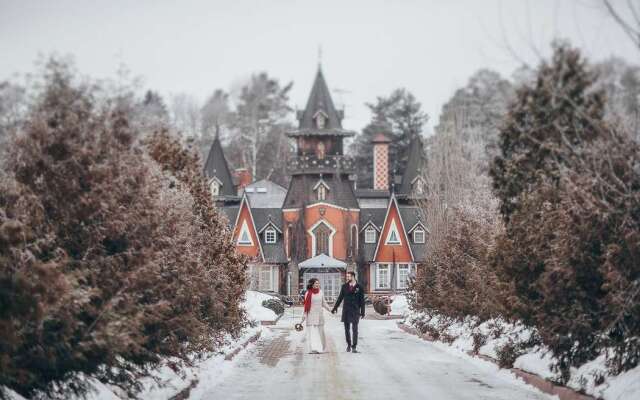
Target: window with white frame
{"x":393,"y":237}
{"x":270,"y":236}
{"x":265,"y":281}
{"x":244,"y":238}
{"x":418,"y":235}
{"x":382,"y":276}
{"x":322,"y":193}
{"x":403,"y":275}
{"x":215,"y":188}
{"x":370,"y":235}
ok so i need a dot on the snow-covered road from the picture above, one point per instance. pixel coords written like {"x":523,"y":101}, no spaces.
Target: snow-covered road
{"x":392,"y":364}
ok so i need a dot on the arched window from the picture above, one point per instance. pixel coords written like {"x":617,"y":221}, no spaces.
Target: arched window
{"x":322,"y":233}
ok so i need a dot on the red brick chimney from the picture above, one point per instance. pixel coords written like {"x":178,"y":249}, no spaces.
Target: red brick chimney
{"x":381,"y":162}
{"x":244,"y":178}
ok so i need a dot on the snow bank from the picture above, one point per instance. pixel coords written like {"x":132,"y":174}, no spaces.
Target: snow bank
{"x":253,"y":305}
{"x":488,"y":337}
{"x":399,"y":306}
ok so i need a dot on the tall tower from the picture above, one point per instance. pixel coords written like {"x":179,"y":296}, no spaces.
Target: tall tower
{"x":320,"y":157}
{"x":320,"y":210}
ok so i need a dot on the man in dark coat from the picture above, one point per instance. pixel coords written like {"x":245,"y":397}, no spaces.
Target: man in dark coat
{"x":352,"y":310}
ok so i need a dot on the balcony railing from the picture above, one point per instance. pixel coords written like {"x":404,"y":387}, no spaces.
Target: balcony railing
{"x":311,"y":164}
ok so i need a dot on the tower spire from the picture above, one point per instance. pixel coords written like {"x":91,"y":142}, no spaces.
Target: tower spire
{"x":319,"y":57}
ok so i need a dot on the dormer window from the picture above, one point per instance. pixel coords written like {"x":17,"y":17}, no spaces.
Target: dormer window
{"x":321,"y":119}
{"x":214,"y":186}
{"x":321,"y":189}
{"x":270,"y":236}
{"x":322,"y":193}
{"x":418,"y":235}
{"x":370,"y":235}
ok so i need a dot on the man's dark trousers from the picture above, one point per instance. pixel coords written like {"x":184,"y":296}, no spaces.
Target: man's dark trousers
{"x":354,"y":328}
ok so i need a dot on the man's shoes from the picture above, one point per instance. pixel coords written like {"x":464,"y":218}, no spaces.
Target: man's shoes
{"x":353,"y":350}
{"x":348,"y":349}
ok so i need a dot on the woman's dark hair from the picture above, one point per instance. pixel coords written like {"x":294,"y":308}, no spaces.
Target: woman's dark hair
{"x":311,"y":282}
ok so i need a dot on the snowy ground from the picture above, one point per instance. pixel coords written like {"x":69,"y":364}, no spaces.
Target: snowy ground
{"x":392,"y":364}
{"x":537,"y":360}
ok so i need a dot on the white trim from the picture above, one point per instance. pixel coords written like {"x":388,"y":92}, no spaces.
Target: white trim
{"x":244,"y":200}
{"x":266,"y":236}
{"x":284,"y":210}
{"x":424,"y":234}
{"x":244,"y":230}
{"x":216,"y":179}
{"x":418,"y":224}
{"x":398,"y":275}
{"x":320,"y":203}
{"x":393,"y":230}
{"x":369,"y":223}
{"x":318,"y":112}
{"x":388,"y":280}
{"x":393,"y":201}
{"x":321,"y":182}
{"x":375,"y":235}
{"x":313,"y":237}
{"x":270,"y":224}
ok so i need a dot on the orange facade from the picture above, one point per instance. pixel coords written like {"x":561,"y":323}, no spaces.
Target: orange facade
{"x":393,"y":252}
{"x":338,"y":219}
{"x":244,"y":217}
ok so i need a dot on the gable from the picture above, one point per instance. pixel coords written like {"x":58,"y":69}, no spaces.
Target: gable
{"x":393,"y":244}
{"x":244,"y":229}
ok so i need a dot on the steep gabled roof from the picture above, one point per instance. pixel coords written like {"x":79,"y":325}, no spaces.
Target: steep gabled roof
{"x":216,"y":166}
{"x":320,"y":102}
{"x":244,"y":217}
{"x":393,"y":218}
{"x":415,"y":165}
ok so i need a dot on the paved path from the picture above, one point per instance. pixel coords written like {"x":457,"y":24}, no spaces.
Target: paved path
{"x":392,"y":365}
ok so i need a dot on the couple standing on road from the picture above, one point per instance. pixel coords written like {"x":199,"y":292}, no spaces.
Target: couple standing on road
{"x":352,"y":310}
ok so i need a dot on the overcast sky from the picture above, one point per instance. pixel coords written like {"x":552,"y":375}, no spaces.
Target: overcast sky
{"x":369,"y":47}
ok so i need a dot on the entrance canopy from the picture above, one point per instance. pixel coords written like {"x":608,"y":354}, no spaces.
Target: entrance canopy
{"x":322,"y":261}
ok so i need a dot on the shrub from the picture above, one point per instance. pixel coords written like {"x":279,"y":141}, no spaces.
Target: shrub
{"x":508,"y":353}
{"x":456,"y":279}
{"x":110,"y":261}
{"x":274,"y":304}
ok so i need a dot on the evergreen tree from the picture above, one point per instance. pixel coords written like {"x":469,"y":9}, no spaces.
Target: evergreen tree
{"x":545,"y":125}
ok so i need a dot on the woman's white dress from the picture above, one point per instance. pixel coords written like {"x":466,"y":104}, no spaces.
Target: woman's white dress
{"x":315,"y":324}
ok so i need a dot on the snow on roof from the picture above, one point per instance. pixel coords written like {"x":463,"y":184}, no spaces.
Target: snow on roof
{"x":322,"y":261}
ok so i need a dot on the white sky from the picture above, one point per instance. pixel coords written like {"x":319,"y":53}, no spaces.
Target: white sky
{"x":369,"y":47}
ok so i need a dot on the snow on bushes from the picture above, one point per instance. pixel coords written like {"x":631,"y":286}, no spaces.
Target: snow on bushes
{"x":112,"y":256}
{"x":256,"y":311}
